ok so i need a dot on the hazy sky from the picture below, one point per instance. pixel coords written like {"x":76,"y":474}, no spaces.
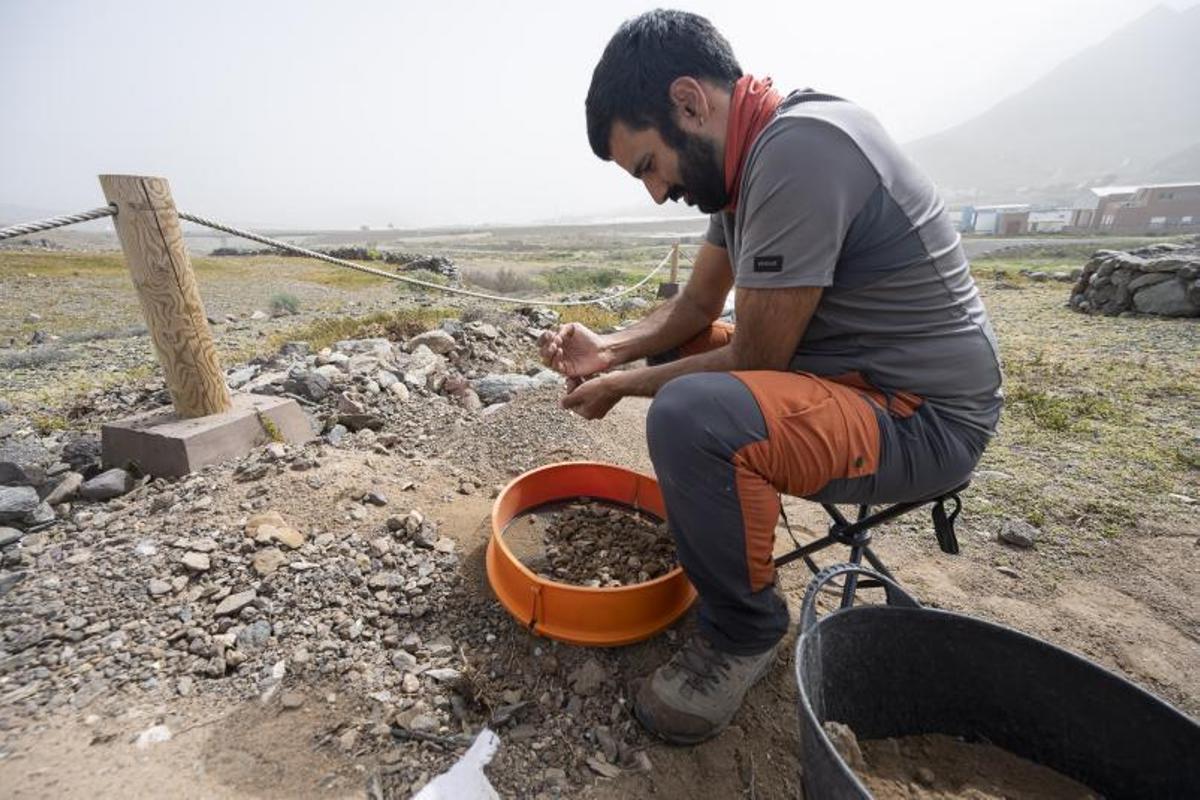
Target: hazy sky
{"x":349,"y":113}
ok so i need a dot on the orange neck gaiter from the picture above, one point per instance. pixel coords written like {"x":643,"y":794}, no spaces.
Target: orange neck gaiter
{"x":751,"y":107}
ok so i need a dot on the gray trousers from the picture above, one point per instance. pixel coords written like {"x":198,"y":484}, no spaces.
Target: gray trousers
{"x":725,"y":445}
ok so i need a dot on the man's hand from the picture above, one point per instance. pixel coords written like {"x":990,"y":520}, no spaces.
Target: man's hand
{"x":593,"y":398}
{"x":574,"y":351}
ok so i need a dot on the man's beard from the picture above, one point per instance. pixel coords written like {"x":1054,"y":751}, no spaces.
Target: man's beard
{"x":702,"y":173}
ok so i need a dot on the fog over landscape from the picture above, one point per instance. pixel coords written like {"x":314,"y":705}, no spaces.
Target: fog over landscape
{"x":316,"y":115}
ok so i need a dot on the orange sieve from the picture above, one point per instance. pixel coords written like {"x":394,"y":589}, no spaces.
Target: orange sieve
{"x":596,"y":616}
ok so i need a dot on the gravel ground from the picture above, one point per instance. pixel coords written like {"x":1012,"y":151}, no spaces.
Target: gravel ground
{"x":350,"y":645}
{"x":305,"y":573}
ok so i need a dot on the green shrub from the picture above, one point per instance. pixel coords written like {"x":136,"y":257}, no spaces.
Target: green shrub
{"x":583,"y":279}
{"x":505,"y":280}
{"x":284,"y":303}
{"x":425,"y":275}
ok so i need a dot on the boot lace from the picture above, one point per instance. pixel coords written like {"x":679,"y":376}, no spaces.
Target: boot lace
{"x":703,"y":665}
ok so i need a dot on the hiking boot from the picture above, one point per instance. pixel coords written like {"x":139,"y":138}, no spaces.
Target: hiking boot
{"x":694,"y":695}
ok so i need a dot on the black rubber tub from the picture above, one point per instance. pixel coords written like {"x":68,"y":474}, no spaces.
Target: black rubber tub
{"x":903,"y":670}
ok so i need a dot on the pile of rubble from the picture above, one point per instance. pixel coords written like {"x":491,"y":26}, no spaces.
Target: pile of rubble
{"x":367,"y":384}
{"x":355,"y":386}
{"x":1161,"y":279}
{"x":301,"y":568}
{"x":410,"y":262}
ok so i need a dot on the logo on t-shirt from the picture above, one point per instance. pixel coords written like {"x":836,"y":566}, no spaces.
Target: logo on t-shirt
{"x":768,"y":263}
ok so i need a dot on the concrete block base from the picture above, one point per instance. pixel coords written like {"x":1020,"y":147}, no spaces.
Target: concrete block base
{"x":162,"y":444}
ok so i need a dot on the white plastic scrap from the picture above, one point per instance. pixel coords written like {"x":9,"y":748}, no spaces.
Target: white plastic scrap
{"x":153,"y":735}
{"x":278,"y":670}
{"x":465,"y":779}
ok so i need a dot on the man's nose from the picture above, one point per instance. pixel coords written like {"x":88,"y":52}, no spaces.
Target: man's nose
{"x":657,"y":189}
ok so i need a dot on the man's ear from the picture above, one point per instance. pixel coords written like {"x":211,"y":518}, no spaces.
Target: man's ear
{"x":689,"y":102}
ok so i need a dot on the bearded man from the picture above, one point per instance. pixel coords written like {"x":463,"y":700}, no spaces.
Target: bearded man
{"x":863,"y":368}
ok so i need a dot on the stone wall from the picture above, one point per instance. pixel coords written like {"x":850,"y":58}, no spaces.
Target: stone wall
{"x":1161,"y":279}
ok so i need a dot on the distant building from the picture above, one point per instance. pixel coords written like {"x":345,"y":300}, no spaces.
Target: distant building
{"x":1010,"y":219}
{"x":1087,"y":209}
{"x":1050,"y":220}
{"x":1157,"y":208}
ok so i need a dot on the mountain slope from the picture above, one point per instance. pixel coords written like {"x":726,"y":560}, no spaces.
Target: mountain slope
{"x":1118,"y":111}
{"x":1183,"y":164}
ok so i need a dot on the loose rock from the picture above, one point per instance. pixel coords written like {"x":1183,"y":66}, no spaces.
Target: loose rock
{"x":17,"y":502}
{"x":1018,"y":533}
{"x":235,"y":602}
{"x":107,"y":485}
{"x":66,"y":489}
{"x":588,"y":678}
{"x":437,"y":341}
{"x":268,"y":560}
{"x":254,"y":636}
{"x":196,"y":562}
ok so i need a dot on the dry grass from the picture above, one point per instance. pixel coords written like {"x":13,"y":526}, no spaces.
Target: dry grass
{"x":55,"y":264}
{"x":402,"y":323}
{"x":595,"y":317}
{"x":1099,"y":423}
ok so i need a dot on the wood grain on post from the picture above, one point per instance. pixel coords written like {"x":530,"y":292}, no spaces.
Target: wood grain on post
{"x":148,"y":227}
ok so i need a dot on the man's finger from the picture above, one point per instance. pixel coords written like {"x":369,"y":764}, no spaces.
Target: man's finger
{"x":574,"y":396}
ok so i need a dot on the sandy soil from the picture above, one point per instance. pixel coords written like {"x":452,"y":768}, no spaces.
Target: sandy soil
{"x":941,"y":768}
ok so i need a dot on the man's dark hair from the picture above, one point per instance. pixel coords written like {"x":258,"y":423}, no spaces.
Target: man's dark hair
{"x":645,"y":55}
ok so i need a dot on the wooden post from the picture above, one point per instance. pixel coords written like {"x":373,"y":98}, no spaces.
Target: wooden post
{"x":671,"y":287}
{"x":148,"y":228}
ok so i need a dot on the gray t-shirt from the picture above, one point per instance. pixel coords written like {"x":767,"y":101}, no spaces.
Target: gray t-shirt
{"x":828,"y":199}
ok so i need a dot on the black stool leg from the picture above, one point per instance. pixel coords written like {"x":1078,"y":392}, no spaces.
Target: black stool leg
{"x":851,"y":579}
{"x":876,"y":563}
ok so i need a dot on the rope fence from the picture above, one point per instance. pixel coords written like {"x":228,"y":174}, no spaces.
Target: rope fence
{"x":340,"y":262}
{"x":111,"y":210}
{"x":56,"y":222}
